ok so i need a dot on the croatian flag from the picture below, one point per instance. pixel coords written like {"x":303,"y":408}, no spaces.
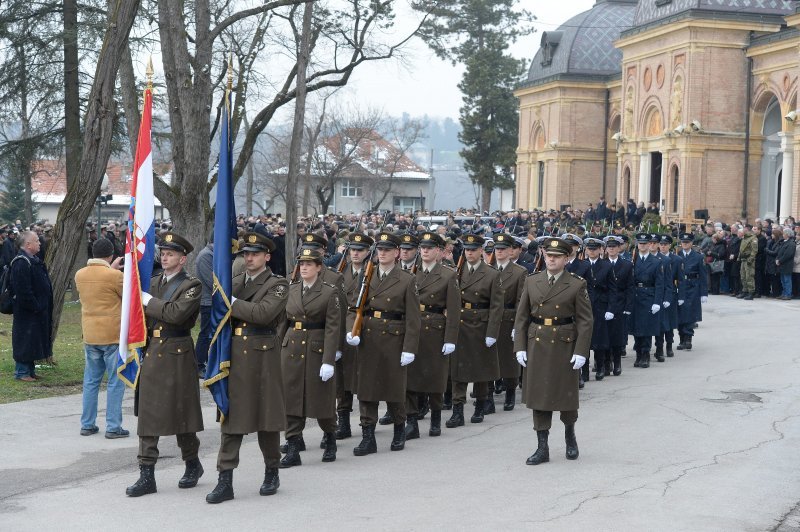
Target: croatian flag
{"x":139,"y":253}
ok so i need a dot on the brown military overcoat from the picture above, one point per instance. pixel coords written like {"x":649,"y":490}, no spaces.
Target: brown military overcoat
{"x":380,"y":375}
{"x":348,"y":367}
{"x":440,"y":304}
{"x":472,"y":361}
{"x":255,"y":384}
{"x":550,"y":382}
{"x":512,"y":281}
{"x":305,"y":350}
{"x":168,"y":392}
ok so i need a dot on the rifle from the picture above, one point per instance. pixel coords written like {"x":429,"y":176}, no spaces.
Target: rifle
{"x":539,"y":261}
{"x":460,"y":265}
{"x":296,"y":272}
{"x":343,"y":261}
{"x":363,"y":292}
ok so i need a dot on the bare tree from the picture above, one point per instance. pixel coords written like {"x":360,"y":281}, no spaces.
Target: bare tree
{"x":391,"y":161}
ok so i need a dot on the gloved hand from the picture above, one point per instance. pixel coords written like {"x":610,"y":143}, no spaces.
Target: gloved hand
{"x":655,"y":308}
{"x":146,"y":298}
{"x":609,"y":316}
{"x":233,"y":300}
{"x":325,"y":372}
{"x":522,"y":358}
{"x":680,"y":302}
{"x":626,"y":312}
{"x":353,"y":340}
{"x":490,"y":341}
{"x":512,"y":334}
{"x":577,"y":361}
{"x":338,"y":356}
{"x":666,"y":304}
{"x":704,"y":299}
{"x":406,"y":358}
{"x":448,"y":348}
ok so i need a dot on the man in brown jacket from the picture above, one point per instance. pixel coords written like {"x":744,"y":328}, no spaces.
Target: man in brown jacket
{"x":552,"y":337}
{"x":168,"y":396}
{"x":255,"y":382}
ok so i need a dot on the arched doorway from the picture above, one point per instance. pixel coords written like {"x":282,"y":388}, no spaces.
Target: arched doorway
{"x":771,"y":160}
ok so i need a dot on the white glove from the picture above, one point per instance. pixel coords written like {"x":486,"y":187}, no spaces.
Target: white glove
{"x":522,"y":358}
{"x":626,"y":312}
{"x":338,"y":356}
{"x":233,"y":300}
{"x":490,"y":341}
{"x":655,"y":308}
{"x":406,"y":358}
{"x":325,"y":372}
{"x":704,"y":299}
{"x":146,"y":298}
{"x":353,"y":340}
{"x":578,"y":360}
{"x":680,"y":302}
{"x":666,"y":304}
{"x":609,"y":316}
{"x":512,"y":334}
{"x":448,"y":348}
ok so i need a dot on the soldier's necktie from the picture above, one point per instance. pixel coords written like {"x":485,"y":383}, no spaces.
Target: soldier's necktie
{"x":552,"y":280}
{"x":500,"y":269}
{"x":303,"y":295}
{"x":246,"y":280}
{"x":163,"y":283}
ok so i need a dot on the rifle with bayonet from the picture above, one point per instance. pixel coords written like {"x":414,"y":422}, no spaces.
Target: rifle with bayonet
{"x":363,"y":292}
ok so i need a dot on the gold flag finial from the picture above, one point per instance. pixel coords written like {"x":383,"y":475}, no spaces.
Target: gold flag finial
{"x":149,"y":73}
{"x":230,"y":71}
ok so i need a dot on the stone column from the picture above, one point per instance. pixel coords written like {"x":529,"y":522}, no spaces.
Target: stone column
{"x":644,"y":177}
{"x":787,"y":177}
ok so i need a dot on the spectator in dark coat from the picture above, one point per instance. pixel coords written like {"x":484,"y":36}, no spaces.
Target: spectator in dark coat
{"x":785,"y":262}
{"x":761,"y":259}
{"x":204,"y":264}
{"x":9,"y":249}
{"x":732,"y":268}
{"x":773,"y":284}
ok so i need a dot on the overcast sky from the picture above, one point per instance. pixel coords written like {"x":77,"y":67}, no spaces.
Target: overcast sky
{"x":428,"y":85}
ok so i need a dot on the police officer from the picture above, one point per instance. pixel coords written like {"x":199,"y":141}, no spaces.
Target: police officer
{"x":621,"y":303}
{"x":168,"y":398}
{"x":388,"y":342}
{"x":552,"y":331}
{"x":601,"y":285}
{"x":673,"y":296}
{"x":696,"y":291}
{"x":310,"y":342}
{"x":648,"y":278}
{"x":440,"y":307}
{"x":255,"y":385}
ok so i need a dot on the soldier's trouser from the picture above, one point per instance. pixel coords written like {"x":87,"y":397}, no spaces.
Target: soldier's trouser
{"x":296,"y":424}
{"x":412,"y":401}
{"x":344,"y":402}
{"x":543,"y":419}
{"x":642,"y":344}
{"x":668,"y":336}
{"x":511,"y":382}
{"x":686,"y":329}
{"x":481,"y":390}
{"x":369,"y":412}
{"x":148,"y":448}
{"x":748,"y":278}
{"x":228,"y":457}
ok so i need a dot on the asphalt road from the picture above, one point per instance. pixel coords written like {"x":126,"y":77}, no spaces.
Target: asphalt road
{"x":708,"y":440}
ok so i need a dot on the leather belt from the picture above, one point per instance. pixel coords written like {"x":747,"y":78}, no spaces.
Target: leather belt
{"x":474,"y":306}
{"x":170,"y":333}
{"x":432,"y":309}
{"x":692,"y":275}
{"x":552,"y":321}
{"x":381,"y":315}
{"x":253,"y":331}
{"x":645,"y":285}
{"x":306,"y":326}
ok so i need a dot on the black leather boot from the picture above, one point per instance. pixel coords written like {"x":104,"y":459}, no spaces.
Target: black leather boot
{"x":300,"y":446}
{"x":194,"y":470}
{"x":386,"y":419}
{"x":572,"y":443}
{"x":638,"y":362}
{"x":511,"y":399}
{"x":617,"y":364}
{"x":682,"y":344}
{"x":457,"y":419}
{"x":423,"y":405}
{"x":499,"y":386}
{"x":412,"y":427}
{"x":609,"y":363}
{"x":271,"y":482}
{"x":330,"y":447}
{"x":670,"y":352}
{"x":447,"y":401}
{"x":601,"y":367}
{"x":687,"y":345}
{"x":292,"y":456}
{"x":542,"y":453}
{"x":659,"y":354}
{"x":368,"y":444}
{"x":585,"y":373}
{"x":223,"y":491}
{"x":399,"y":440}
{"x":343,"y":428}
{"x":645,"y":363}
{"x":477,"y":417}
{"x":146,"y":483}
{"x":436,"y":423}
{"x":488,"y":405}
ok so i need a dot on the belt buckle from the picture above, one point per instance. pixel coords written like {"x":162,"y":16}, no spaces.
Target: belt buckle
{"x":376,"y":314}
{"x":468,"y":306}
{"x":422,"y":308}
{"x":548,"y":322}
{"x":298,"y":326}
{"x":156,"y":333}
{"x":237,"y":331}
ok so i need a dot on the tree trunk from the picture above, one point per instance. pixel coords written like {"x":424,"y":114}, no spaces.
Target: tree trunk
{"x":486,"y":197}
{"x":68,"y":232}
{"x":248,"y":195}
{"x":297,"y":137}
{"x":72,"y":104}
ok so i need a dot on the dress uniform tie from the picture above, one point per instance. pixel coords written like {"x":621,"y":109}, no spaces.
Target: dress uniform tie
{"x":500,"y":269}
{"x":246,"y":280}
{"x":552,"y":280}
{"x":163,"y":283}
{"x":303,"y":295}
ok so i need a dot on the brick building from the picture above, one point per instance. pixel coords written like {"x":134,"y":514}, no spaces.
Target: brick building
{"x":690,"y":104}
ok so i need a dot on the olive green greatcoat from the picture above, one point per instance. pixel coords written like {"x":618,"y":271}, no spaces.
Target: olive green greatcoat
{"x":168,"y":398}
{"x":439,"y":288}
{"x":550,"y":382}
{"x":336,"y":279}
{"x":380,"y":375}
{"x":472,"y":361}
{"x":304,"y":351}
{"x":348,"y":366}
{"x":255,"y":384}
{"x":512,"y":281}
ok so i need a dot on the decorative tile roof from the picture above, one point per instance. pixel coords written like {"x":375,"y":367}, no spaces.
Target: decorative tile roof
{"x":653,"y":10}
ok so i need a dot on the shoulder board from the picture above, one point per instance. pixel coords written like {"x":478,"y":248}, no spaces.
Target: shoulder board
{"x":271,"y":275}
{"x":519,"y":266}
{"x":329,"y":285}
{"x":534,"y":273}
{"x":190,"y":277}
{"x":407,"y":272}
{"x":447,"y":266}
{"x":238,"y":275}
{"x":575,"y":276}
{"x":294,"y":282}
{"x":155,"y":275}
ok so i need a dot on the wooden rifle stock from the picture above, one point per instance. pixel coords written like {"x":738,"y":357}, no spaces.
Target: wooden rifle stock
{"x":460,"y":266}
{"x":363,"y":293}
{"x":343,"y":261}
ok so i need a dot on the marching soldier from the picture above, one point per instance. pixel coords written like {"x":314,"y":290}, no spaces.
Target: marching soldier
{"x":255,"y":384}
{"x":553,"y":326}
{"x":512,"y":280}
{"x":621,"y":304}
{"x":575,"y":264}
{"x":168,"y":398}
{"x":390,"y":340}
{"x":440,"y":306}
{"x":475,"y":358}
{"x":673,"y":296}
{"x":517,"y":244}
{"x":601,"y":286}
{"x":310,"y":342}
{"x":648,"y":278}
{"x":696,"y":291}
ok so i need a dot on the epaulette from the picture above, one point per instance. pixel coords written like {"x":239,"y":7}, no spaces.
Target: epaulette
{"x":278,"y":276}
{"x":407,"y":272}
{"x":329,"y":285}
{"x":575,"y":276}
{"x":534,"y":273}
{"x":451,"y":268}
{"x":294,"y":282}
{"x":238,"y":275}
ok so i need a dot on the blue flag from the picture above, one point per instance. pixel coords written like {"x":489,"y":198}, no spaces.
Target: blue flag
{"x":225,"y":244}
